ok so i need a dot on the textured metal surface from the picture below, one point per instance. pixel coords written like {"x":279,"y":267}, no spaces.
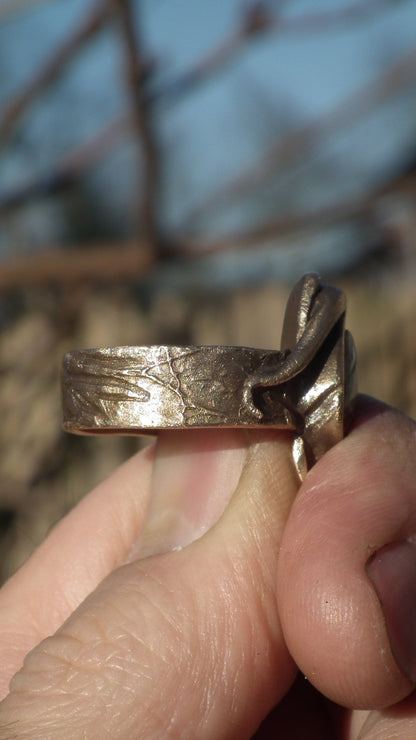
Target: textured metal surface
{"x":306,"y":387}
{"x":317,"y":379}
{"x":139,"y":389}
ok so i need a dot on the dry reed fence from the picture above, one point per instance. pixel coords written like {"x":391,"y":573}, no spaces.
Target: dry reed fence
{"x":43,"y":472}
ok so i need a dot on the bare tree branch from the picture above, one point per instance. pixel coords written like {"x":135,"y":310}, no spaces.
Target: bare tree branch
{"x":130,"y":262}
{"x":47,"y":74}
{"x":275,"y":228}
{"x":355,"y":12}
{"x":289,"y":149}
{"x":137,"y":79}
{"x":70,"y":168}
{"x":309,"y":220}
{"x":106,"y":264}
{"x":256,"y":20}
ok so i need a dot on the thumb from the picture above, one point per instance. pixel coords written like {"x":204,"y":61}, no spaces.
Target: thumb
{"x":185,"y":641}
{"x":347,"y":570}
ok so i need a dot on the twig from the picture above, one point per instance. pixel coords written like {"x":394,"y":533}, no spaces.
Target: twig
{"x":296,"y":145}
{"x":309,"y":220}
{"x":130,"y":262}
{"x":354,"y":12}
{"x":105,"y":264}
{"x":137,"y":80}
{"x":258,"y":20}
{"x":15,"y":108}
{"x":275,"y":229}
{"x":70,"y":168}
{"x":90,"y":153}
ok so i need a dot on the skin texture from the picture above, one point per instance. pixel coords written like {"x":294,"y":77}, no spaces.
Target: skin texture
{"x":194,"y":624}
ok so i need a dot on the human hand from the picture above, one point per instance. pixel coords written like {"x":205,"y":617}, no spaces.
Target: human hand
{"x":154,"y":641}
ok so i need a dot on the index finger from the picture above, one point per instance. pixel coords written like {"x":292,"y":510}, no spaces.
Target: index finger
{"x":92,"y":540}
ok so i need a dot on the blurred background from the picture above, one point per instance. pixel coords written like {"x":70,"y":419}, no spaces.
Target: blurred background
{"x":168,"y":170}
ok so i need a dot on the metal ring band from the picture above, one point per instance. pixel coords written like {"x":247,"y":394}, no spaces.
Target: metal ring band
{"x":145,"y":389}
{"x":308,"y":387}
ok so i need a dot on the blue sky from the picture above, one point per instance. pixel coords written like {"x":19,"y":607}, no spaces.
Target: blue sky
{"x":279,"y":82}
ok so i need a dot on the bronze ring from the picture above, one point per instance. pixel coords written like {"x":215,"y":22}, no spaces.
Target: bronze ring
{"x":307,"y":387}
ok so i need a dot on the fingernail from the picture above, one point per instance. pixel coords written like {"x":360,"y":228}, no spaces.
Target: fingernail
{"x":195,"y":474}
{"x":392,"y":571}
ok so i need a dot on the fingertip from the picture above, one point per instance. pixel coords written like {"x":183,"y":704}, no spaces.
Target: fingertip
{"x":392,"y":571}
{"x":356,"y":500}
